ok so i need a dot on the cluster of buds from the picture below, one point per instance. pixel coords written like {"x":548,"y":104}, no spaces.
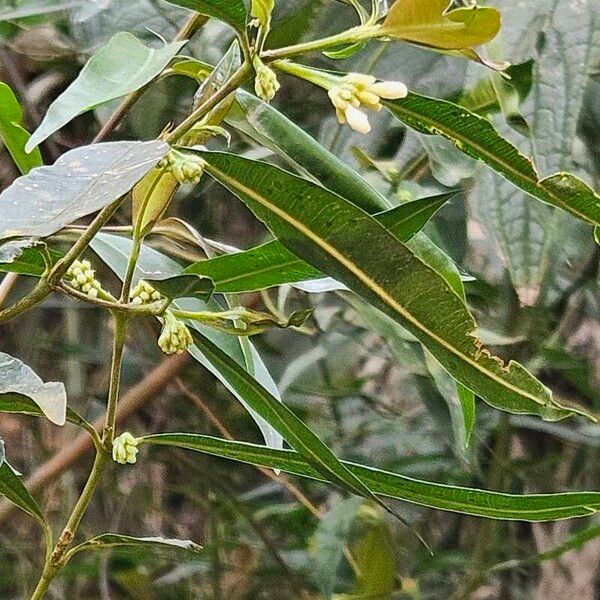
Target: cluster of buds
{"x":175,"y":337}
{"x":186,"y":168}
{"x":265,"y":82}
{"x":356,"y":90}
{"x":125,"y":449}
{"x":144,"y":293}
{"x":82,"y":277}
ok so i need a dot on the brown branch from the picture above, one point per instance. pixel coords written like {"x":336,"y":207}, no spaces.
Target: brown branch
{"x":6,"y":286}
{"x":136,"y":397}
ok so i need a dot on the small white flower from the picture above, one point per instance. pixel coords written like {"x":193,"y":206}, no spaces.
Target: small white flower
{"x":125,"y":449}
{"x":356,"y":90}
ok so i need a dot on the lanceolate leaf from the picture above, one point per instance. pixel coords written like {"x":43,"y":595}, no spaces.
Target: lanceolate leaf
{"x":122,"y":66}
{"x":273,"y":264}
{"x":17,"y":378}
{"x":12,"y":132}
{"x":107,"y":541}
{"x":346,"y":243}
{"x":293,"y":430}
{"x":477,"y":137}
{"x":13,"y":490}
{"x":114,"y":251}
{"x":230,"y":11}
{"x":79,"y":183}
{"x":493,"y":505}
{"x":267,"y":126}
{"x":19,"y":404}
{"x":429,"y":23}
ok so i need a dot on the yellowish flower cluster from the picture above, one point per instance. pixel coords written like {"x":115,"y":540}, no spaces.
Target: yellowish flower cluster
{"x":144,"y":293}
{"x":175,"y":337}
{"x":82,"y":277}
{"x":125,"y":449}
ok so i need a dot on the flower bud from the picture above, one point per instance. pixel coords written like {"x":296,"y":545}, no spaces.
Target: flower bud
{"x":144,"y":293}
{"x":82,"y":277}
{"x":175,"y":337}
{"x":186,"y":168}
{"x":125,"y":449}
{"x":265,"y":82}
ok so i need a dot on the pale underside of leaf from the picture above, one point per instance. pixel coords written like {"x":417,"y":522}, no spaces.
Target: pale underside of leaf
{"x":16,"y":377}
{"x":79,"y":183}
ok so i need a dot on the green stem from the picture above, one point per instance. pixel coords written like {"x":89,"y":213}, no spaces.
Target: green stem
{"x":46,"y":284}
{"x":351,"y":36}
{"x":115,"y":379}
{"x":133,"y":258}
{"x":230,"y":86}
{"x":53,"y":562}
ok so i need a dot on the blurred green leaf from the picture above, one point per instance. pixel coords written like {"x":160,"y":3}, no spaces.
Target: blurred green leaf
{"x":329,"y":542}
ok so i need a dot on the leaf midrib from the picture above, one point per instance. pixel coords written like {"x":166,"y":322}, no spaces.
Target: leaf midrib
{"x":518,"y":174}
{"x":366,"y":280}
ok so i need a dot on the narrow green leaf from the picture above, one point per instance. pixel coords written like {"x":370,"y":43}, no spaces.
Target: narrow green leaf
{"x":283,"y":420}
{"x":120,"y":67}
{"x":273,"y":264}
{"x":383,"y":271}
{"x":20,"y":404}
{"x":12,"y":132}
{"x":470,"y":501}
{"x":330,"y":540}
{"x":184,"y":286}
{"x":429,"y":23}
{"x":14,"y":491}
{"x":106,"y":541}
{"x":79,"y":183}
{"x":268,"y":127}
{"x":477,"y":137}
{"x":229,"y":11}
{"x":17,"y":378}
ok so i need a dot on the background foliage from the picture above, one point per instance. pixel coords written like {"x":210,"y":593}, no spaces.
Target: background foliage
{"x":531,"y":278}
